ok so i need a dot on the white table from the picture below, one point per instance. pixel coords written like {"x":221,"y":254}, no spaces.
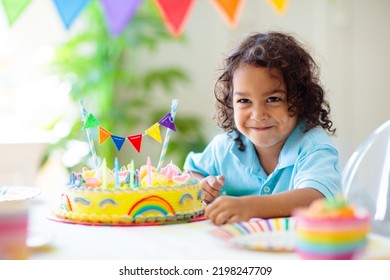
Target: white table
{"x":174,"y":242}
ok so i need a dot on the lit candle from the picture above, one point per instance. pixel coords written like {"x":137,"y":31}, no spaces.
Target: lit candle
{"x":117,"y":184}
{"x":136,"y":178}
{"x":132,"y":174}
{"x":149,"y":170}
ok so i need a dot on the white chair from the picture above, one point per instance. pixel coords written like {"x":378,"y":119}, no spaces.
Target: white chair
{"x":21,"y":153}
{"x":366,"y":178}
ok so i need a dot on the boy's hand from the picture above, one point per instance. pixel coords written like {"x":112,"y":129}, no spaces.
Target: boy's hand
{"x":228,"y":209}
{"x":211,"y":187}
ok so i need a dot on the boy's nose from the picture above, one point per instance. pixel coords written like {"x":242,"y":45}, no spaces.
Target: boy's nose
{"x":259,"y":114}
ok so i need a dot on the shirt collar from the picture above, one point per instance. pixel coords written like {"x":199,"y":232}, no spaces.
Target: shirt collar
{"x":248,"y":158}
{"x":290,"y":149}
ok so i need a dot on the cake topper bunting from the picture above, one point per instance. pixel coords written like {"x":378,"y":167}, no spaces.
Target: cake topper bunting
{"x":90,"y":121}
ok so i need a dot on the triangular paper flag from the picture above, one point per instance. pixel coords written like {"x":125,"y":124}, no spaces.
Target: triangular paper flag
{"x":279,"y":5}
{"x":13,"y":9}
{"x":91,"y":121}
{"x":154,"y":132}
{"x":175,"y":13}
{"x":118,"y":13}
{"x":229,"y":9}
{"x":167,"y":121}
{"x":118,"y":141}
{"x":69,"y":10}
{"x":136,"y":141}
{"x":103,"y":134}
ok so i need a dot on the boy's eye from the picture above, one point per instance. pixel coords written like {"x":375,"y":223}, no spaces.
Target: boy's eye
{"x":273,"y":99}
{"x":243,"y":100}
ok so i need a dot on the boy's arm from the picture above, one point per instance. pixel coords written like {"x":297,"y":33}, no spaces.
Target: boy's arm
{"x":228,"y":209}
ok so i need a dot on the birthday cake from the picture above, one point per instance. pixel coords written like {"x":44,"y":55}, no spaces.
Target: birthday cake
{"x":103,"y":196}
{"x":331,"y":229}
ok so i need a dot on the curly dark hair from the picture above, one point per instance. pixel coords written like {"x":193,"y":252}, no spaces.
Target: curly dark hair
{"x":275,"y":50}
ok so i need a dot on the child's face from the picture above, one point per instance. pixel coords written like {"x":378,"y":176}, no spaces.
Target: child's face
{"x":260,"y":107}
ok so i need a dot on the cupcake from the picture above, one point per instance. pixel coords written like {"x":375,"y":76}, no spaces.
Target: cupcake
{"x":330,"y":229}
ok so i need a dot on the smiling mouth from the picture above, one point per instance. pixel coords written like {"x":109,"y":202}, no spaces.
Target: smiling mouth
{"x":262,"y":128}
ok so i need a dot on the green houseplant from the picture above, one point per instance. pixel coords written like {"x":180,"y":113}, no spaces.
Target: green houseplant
{"x":108,"y":74}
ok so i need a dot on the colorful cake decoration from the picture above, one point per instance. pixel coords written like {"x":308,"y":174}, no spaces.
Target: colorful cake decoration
{"x":126,"y":195}
{"x":331,"y":229}
{"x":90,"y":121}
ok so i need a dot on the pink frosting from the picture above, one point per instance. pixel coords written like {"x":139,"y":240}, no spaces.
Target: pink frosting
{"x":170,"y":171}
{"x":182,"y":178}
{"x":92,"y":182}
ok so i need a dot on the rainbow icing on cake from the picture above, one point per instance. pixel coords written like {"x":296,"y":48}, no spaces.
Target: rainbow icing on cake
{"x":124,"y":197}
{"x":331,"y":229}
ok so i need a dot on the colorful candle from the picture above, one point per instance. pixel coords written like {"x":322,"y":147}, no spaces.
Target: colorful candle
{"x":132,"y":174}
{"x":149,"y":170}
{"x":136,"y":178}
{"x":117,"y":184}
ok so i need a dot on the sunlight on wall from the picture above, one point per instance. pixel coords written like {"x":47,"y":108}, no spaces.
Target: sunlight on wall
{"x":30,"y":97}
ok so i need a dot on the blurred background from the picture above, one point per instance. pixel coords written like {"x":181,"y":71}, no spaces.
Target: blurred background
{"x":129,"y":80}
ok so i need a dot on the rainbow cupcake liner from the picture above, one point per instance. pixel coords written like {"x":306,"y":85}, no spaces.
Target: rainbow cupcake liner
{"x":329,"y":248}
{"x":334,"y":237}
{"x":331,"y":238}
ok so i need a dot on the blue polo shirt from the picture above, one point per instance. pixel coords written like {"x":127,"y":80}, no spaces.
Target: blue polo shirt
{"x":307,"y":160}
